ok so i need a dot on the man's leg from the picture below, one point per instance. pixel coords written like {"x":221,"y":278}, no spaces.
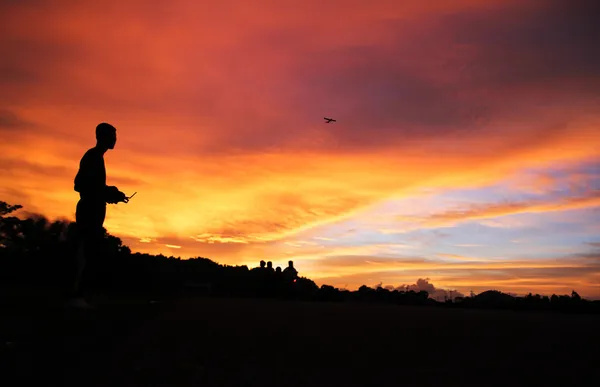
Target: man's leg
{"x":80,"y":259}
{"x":89,"y":226}
{"x":76,"y":284}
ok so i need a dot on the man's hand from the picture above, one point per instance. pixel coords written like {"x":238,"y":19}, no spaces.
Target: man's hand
{"x":113,"y":195}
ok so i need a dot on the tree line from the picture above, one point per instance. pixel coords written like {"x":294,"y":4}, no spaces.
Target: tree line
{"x":39,"y":253}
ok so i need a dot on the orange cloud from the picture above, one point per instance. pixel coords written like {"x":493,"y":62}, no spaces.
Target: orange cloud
{"x":485,"y":211}
{"x":457,"y":257}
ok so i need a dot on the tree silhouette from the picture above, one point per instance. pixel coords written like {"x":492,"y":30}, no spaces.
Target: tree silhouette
{"x":9,"y":225}
{"x":37,"y":252}
{"x":6,"y":209}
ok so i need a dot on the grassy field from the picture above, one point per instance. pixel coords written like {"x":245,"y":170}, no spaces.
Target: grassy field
{"x":232,"y":342}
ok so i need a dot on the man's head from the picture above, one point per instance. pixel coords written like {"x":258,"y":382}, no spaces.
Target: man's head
{"x":291,"y":263}
{"x":269,"y":265}
{"x":106,"y":135}
{"x":262,"y":263}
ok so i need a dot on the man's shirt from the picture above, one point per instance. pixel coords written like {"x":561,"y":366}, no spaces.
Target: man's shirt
{"x":90,"y":180}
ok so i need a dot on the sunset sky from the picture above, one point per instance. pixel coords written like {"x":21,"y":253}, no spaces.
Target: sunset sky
{"x":466,"y":148}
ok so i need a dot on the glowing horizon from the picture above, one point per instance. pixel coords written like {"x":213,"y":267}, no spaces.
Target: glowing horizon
{"x":466,"y":147}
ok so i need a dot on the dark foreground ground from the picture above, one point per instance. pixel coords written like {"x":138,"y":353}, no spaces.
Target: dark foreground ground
{"x":128,"y":341}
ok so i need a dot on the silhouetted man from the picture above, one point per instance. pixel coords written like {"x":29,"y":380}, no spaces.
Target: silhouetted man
{"x":261,"y":268}
{"x":290,"y":272}
{"x":270,"y":266}
{"x":94,"y":194}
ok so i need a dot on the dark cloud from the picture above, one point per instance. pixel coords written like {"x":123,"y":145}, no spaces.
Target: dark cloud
{"x":12,"y":121}
{"x":379,"y":98}
{"x":7,"y":4}
{"x":31,"y":60}
{"x":592,"y":259}
{"x":551,"y":41}
{"x":437,"y":76}
{"x":49,"y":65}
{"x":449,"y":74}
{"x":14,"y":167}
{"x":12,"y":74}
